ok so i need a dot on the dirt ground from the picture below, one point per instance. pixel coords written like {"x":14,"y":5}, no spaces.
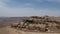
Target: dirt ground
{"x":8,"y":30}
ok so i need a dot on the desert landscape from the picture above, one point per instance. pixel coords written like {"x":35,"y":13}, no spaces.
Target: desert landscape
{"x":29,"y":16}
{"x":5,"y":25}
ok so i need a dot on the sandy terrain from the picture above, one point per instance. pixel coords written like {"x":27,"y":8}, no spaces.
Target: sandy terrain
{"x":8,"y":30}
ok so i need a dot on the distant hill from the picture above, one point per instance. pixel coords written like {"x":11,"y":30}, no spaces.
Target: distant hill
{"x":4,"y":21}
{"x":8,"y":20}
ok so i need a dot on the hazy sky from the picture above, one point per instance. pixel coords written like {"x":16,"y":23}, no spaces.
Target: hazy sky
{"x":16,"y":8}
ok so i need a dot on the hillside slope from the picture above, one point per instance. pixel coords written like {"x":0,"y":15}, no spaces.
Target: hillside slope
{"x":8,"y":30}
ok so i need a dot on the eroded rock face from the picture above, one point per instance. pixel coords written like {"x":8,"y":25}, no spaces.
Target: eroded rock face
{"x":36,"y":23}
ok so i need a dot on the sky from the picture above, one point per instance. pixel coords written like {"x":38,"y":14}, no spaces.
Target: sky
{"x":18,"y":8}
